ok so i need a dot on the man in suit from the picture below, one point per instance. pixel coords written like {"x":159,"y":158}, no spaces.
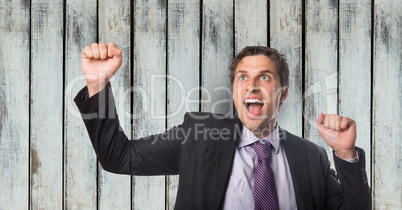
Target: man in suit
{"x":218,"y":158}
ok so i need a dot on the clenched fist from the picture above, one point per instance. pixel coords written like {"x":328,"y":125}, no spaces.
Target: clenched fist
{"x":339,"y":133}
{"x":99,"y":63}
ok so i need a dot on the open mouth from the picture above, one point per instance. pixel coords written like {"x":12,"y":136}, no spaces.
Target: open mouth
{"x":253,"y":106}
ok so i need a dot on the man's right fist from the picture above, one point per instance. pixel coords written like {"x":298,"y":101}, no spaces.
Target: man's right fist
{"x":99,"y":63}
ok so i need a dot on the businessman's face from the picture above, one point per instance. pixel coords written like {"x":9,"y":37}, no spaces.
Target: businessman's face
{"x":257,"y":93}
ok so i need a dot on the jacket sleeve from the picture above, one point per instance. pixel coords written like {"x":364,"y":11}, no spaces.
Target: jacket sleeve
{"x":152,"y":155}
{"x":353,"y":191}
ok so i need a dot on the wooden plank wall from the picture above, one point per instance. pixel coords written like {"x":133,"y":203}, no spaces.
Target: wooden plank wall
{"x":345,"y":57}
{"x":387,"y":105}
{"x":14,"y":104}
{"x":46,"y":120}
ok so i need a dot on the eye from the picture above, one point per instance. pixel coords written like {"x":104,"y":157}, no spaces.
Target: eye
{"x":265,"y":78}
{"x":242,"y":77}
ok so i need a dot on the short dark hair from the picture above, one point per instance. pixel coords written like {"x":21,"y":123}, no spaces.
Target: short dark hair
{"x":279,"y":59}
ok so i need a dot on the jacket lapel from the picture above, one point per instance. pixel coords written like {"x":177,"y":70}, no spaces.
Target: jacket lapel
{"x":225,"y":157}
{"x":298,"y":164}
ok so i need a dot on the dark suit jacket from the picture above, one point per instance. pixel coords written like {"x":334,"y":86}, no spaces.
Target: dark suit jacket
{"x":201,"y":151}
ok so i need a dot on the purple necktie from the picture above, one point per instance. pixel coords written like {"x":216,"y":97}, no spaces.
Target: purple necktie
{"x":265,"y":195}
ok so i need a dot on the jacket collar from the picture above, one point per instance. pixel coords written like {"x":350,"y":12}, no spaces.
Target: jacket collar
{"x":248,"y":138}
{"x":225,"y":157}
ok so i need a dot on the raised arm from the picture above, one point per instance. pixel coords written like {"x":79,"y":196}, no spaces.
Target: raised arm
{"x":340,"y":134}
{"x":152,"y":155}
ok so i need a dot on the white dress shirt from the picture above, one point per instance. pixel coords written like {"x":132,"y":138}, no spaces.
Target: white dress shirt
{"x":239,"y":194}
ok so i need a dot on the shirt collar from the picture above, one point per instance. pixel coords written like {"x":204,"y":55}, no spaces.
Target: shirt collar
{"x":248,"y":138}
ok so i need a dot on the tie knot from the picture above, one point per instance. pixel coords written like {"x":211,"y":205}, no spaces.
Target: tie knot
{"x":263,"y":150}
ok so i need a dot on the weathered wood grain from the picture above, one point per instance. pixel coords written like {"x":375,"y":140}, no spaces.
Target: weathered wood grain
{"x":355,"y":69}
{"x":387,"y":105}
{"x":321,"y":52}
{"x":80,"y":175}
{"x":217,"y":51}
{"x":251,"y":23}
{"x":183,"y":69}
{"x":31,"y":133}
{"x":14,"y":104}
{"x":183,"y":59}
{"x":114,"y":26}
{"x":46,"y":122}
{"x":149,"y":100}
{"x":286,"y":36}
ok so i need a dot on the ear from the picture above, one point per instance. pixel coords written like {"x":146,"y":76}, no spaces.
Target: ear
{"x":284,"y":94}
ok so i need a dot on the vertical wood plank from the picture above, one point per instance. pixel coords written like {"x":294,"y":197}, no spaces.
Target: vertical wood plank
{"x":321,"y":75}
{"x":114,"y":26}
{"x":149,"y":106}
{"x":183,"y":68}
{"x":387,"y":105}
{"x":217,"y":51}
{"x":80,"y":176}
{"x":251,"y":23}
{"x":286,"y":37}
{"x":46,"y":104}
{"x":355,"y":68}
{"x":14,"y":104}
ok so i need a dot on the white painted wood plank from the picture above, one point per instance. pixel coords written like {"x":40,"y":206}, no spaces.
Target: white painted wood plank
{"x":80,"y":175}
{"x":286,"y":37}
{"x":47,"y":104}
{"x":387,"y":105}
{"x":183,"y":59}
{"x":251,"y":23}
{"x":355,"y":69}
{"x":183,"y":68}
{"x":114,"y":26}
{"x":321,"y":75}
{"x":149,"y":106}
{"x":14,"y":104}
{"x":217,"y":51}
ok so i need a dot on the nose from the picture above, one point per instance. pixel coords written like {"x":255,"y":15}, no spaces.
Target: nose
{"x":252,"y":88}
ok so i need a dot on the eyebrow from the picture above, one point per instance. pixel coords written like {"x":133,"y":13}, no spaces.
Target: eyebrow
{"x":262,"y":71}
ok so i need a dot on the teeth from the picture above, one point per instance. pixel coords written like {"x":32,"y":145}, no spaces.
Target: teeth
{"x":249,"y":101}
